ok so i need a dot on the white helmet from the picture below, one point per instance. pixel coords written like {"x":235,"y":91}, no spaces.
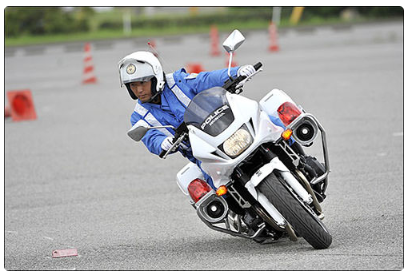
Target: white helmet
{"x":141,"y":66}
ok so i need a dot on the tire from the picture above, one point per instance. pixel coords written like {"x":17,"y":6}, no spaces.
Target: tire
{"x":301,"y":217}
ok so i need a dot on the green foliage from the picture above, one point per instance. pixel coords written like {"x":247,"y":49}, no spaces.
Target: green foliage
{"x":45,"y":20}
{"x":336,"y":11}
{"x":381,"y":11}
{"x":200,"y":20}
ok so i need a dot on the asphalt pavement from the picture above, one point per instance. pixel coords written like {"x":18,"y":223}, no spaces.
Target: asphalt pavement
{"x":75,"y":180}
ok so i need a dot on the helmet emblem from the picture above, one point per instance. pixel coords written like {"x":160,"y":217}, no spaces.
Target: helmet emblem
{"x":130,"y":69}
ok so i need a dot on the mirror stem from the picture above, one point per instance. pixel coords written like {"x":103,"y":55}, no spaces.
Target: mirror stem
{"x":229,"y":65}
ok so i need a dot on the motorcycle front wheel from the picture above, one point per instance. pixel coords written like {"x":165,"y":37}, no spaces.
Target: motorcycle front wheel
{"x":301,"y":217}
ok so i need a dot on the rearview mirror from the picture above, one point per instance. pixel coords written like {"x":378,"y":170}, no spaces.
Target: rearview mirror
{"x":234,"y":41}
{"x":141,"y":127}
{"x":138,"y":130}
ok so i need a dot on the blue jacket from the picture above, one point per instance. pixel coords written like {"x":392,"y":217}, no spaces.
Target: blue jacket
{"x":179,"y":89}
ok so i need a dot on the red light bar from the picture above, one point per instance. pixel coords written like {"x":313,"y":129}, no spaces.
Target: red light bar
{"x":197,"y":189}
{"x":288,"y":112}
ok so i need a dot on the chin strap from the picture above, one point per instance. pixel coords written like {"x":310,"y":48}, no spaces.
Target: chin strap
{"x":155,"y":93}
{"x":154,"y":97}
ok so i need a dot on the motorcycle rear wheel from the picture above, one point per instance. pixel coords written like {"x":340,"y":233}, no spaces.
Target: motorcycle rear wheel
{"x":303,"y":220}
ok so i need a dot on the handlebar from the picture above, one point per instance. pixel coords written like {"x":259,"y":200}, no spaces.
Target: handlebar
{"x":257,"y":66}
{"x":162,"y":154}
{"x":231,"y":84}
{"x":181,"y":133}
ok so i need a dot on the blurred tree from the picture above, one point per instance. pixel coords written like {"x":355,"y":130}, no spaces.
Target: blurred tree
{"x":369,"y":11}
{"x":56,"y":21}
{"x":23,"y":20}
{"x":82,"y":16}
{"x":381,"y":11}
{"x":45,"y":20}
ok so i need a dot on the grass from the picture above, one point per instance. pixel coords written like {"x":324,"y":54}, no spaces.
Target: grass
{"x":118,"y":34}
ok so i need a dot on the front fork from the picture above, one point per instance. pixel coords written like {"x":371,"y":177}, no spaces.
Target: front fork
{"x":295,"y":152}
{"x":298,"y":182}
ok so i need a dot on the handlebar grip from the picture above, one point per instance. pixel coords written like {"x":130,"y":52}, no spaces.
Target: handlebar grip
{"x":257,"y":65}
{"x":163,"y":152}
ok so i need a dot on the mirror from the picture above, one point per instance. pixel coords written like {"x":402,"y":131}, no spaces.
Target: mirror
{"x":141,"y":127}
{"x":138,"y":130}
{"x":234,"y":41}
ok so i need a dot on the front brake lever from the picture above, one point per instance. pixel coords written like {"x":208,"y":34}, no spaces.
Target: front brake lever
{"x":240,"y":84}
{"x":175,"y":146}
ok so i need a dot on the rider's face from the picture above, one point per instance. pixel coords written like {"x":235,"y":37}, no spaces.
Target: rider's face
{"x":142,"y":90}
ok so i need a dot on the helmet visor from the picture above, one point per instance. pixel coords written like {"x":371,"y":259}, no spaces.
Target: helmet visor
{"x":135,"y":71}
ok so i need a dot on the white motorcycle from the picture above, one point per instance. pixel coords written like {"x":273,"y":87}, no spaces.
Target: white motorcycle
{"x":266,"y":187}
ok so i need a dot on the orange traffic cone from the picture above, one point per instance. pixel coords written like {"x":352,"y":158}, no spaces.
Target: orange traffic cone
{"x":194,"y":68}
{"x":7,"y":112}
{"x":272,"y":30}
{"x":88,"y":71}
{"x":214,"y":36}
{"x":21,"y":105}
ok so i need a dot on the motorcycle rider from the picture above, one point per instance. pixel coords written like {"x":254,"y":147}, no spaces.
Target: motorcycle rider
{"x":163,"y":98}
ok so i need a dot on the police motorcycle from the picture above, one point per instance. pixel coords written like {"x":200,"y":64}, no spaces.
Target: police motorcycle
{"x":266,"y":187}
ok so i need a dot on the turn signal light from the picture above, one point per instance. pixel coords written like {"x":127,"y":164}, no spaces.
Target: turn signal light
{"x":197,"y":189}
{"x":286,"y":135}
{"x":222,"y":190}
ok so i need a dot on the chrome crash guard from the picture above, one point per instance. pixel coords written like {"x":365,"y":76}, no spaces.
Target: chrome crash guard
{"x":308,"y":120}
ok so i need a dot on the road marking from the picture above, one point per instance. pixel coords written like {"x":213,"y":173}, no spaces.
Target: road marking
{"x":64,"y":253}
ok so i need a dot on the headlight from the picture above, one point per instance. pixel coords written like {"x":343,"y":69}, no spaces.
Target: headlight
{"x":238,"y":142}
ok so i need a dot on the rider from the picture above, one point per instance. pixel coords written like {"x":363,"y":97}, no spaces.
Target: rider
{"x":163,"y":98}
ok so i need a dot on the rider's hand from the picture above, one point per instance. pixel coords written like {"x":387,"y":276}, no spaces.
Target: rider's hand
{"x":167,"y":143}
{"x":246,"y":70}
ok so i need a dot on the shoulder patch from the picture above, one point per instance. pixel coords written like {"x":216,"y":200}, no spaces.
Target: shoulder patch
{"x":192,"y":76}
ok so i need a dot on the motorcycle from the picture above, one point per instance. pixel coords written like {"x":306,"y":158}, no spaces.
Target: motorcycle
{"x":266,"y":187}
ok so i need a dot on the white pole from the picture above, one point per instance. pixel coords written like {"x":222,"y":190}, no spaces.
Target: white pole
{"x":276,"y":15}
{"x":127,"y":26}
